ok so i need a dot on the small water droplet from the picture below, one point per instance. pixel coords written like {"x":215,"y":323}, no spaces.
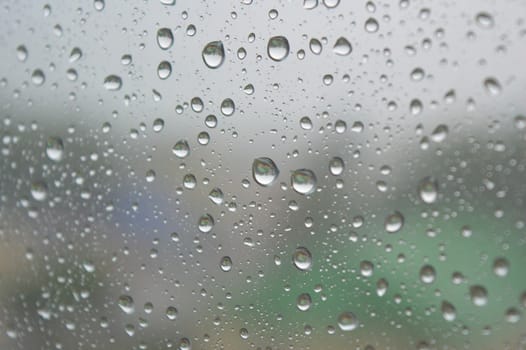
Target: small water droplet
{"x":428,"y":190}
{"x":315,"y":46}
{"x":21,"y":53}
{"x":205,"y":223}
{"x":440,"y":133}
{"x":181,"y":149}
{"x":427,"y":274}
{"x":228,"y":107}
{"x":501,"y":267}
{"x":371,"y":25}
{"x":336,"y":166}
{"x":484,"y":20}
{"x":479,"y":295}
{"x":304,"y":301}
{"x":448,"y":311}
{"x":164,"y":70}
{"x":278,"y":48}
{"x":38,"y":78}
{"x":171,"y":313}
{"x":310,"y":4}
{"x":492,"y":86}
{"x":213,"y":54}
{"x":39,"y":190}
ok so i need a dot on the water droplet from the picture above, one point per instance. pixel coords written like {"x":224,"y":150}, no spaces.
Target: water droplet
{"x":347,"y":321}
{"x":226,"y":263}
{"x":310,"y":4}
{"x":512,"y":315}
{"x":416,"y":107}
{"x":243,"y":333}
{"x":302,"y":259}
{"x":228,"y":107}
{"x":39,"y":190}
{"x":205,"y":223}
{"x":417,"y":74}
{"x":168,"y":2}
{"x":112,"y":82}
{"x":99,"y":5}
{"x":394,"y":222}
{"x":492,"y":86}
{"x":55,"y":149}
{"x":303,"y":181}
{"x":304,"y":302}
{"x":448,"y":311}
{"x":213,"y":54}
{"x":158,"y":125}
{"x":165,"y":38}
{"x":21,"y":53}
{"x":190,"y":182}
{"x":278,"y":48}
{"x":164,"y":70}
{"x":150,"y":175}
{"x":440,"y":133}
{"x":211,"y":121}
{"x":381,"y":287}
{"x":171,"y":313}
{"x":197,"y":104}
{"x":479,"y":295}
{"x":315,"y":46}
{"x":336,"y":166}
{"x":181,"y":149}
{"x":371,"y":25}
{"x":216,"y":196}
{"x":38,"y":78}
{"x":126,"y":304}
{"x":306,"y":123}
{"x":484,"y":20}
{"x":331,"y":3}
{"x":501,"y":267}
{"x":264,"y":171}
{"x":427,"y":274}
{"x":342,"y":47}
{"x":428,"y":190}
{"x":366,"y":268}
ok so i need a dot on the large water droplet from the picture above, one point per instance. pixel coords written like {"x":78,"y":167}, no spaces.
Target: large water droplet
{"x":228,"y":107}
{"x":164,"y":70}
{"x":181,"y":149}
{"x":165,"y":38}
{"x":371,"y":25}
{"x":214,"y":54}
{"x":428,"y":190}
{"x":304,"y":302}
{"x":479,"y":295}
{"x":205,"y":223}
{"x":303,"y":181}
{"x":38,"y":78}
{"x":347,"y":321}
{"x":55,"y":149}
{"x":484,"y":20}
{"x":302,"y":259}
{"x":112,"y":82}
{"x":427,"y":274}
{"x":126,"y":304}
{"x":226,"y":263}
{"x":278,"y":48}
{"x":492,"y":86}
{"x":336,"y":166}
{"x":39,"y":190}
{"x":264,"y":171}
{"x":342,"y":47}
{"x":501,"y":267}
{"x":448,"y":311}
{"x":394,"y":222}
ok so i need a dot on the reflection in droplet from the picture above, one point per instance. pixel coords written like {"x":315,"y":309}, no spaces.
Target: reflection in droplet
{"x":213,"y":54}
{"x":264,"y":171}
{"x":303,"y":181}
{"x":278,"y":48}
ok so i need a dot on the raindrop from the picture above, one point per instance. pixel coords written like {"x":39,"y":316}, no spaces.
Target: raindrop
{"x":428,"y":190}
{"x":55,"y":149}
{"x":492,"y":86}
{"x":181,"y":149}
{"x":303,"y":181}
{"x":168,"y":2}
{"x":302,"y":259}
{"x":315,"y":46}
{"x":228,"y":107}
{"x":99,"y":5}
{"x":264,"y":171}
{"x":331,"y":3}
{"x":165,"y":38}
{"x":427,"y":274}
{"x":440,"y":133}
{"x":347,"y":321}
{"x":501,"y":267}
{"x":278,"y":48}
{"x":310,"y":4}
{"x":226,"y":264}
{"x":448,"y":311}
{"x":213,"y":54}
{"x":479,"y":295}
{"x":171,"y":313}
{"x":366,"y":268}
{"x":484,"y":20}
{"x":126,"y":304}
{"x":512,"y":315}
{"x":342,"y":47}
{"x":39,"y":190}
{"x":158,"y":125}
{"x":304,"y":302}
{"x":336,"y":166}
{"x":394,"y":222}
{"x":381,"y":287}
{"x":216,"y":196}
{"x":112,"y":82}
{"x":306,"y":123}
{"x":205,"y":223}
{"x":21,"y":53}
{"x":371,"y":25}
{"x":38,"y":78}
{"x":164,"y":70}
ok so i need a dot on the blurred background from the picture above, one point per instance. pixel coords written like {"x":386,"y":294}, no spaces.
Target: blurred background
{"x":180,"y":174}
